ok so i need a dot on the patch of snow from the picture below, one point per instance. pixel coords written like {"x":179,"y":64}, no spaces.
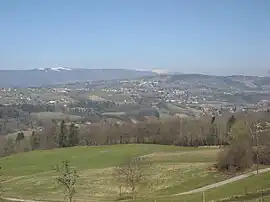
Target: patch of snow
{"x":160,"y":71}
{"x":143,"y":70}
{"x":60,"y":69}
{"x":57,"y":69}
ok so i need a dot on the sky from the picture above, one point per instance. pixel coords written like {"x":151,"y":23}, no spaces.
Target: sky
{"x":190,"y":36}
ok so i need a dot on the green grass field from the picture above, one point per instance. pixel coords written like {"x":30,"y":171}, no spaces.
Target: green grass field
{"x":174,"y":170}
{"x":113,"y":96}
{"x":54,"y":115}
{"x":114,"y":113}
{"x":29,"y":175}
{"x":253,"y":186}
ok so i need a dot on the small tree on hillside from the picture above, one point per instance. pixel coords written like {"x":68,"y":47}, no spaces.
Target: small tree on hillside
{"x":132,"y":174}
{"x":67,"y":177}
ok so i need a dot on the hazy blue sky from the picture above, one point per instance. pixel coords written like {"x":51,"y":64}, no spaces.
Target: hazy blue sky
{"x":207,"y":36}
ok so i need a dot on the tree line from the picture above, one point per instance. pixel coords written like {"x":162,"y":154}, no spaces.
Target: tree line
{"x":247,"y":133}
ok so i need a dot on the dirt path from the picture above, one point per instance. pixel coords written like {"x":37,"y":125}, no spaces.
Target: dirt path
{"x":205,"y":188}
{"x":18,"y":200}
{"x":218,"y":184}
{"x":22,"y":200}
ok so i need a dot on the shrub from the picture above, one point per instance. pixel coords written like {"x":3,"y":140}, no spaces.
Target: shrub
{"x":237,"y":157}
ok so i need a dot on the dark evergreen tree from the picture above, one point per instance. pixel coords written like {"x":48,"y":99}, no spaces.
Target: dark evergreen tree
{"x":230,"y":122}
{"x":62,"y":138}
{"x":72,"y":138}
{"x":20,"y":136}
{"x":35,"y":141}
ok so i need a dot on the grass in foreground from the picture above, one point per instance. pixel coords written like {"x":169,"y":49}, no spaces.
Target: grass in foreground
{"x":174,"y":170}
{"x":30,"y":176}
{"x":252,"y":186}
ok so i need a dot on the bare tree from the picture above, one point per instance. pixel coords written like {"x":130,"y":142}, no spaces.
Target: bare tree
{"x":239,"y":155}
{"x":67,"y":179}
{"x":254,"y":136}
{"x":132,"y":174}
{"x":1,"y":187}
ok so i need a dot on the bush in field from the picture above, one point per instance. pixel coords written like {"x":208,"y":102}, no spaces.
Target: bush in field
{"x":239,"y":155}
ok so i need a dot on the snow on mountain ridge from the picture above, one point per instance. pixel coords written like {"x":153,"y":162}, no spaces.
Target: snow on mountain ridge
{"x":157,"y":71}
{"x":57,"y":69}
{"x":60,"y":69}
{"x":160,"y":71}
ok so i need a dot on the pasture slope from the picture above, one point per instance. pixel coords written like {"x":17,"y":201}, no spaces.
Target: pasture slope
{"x":30,"y":176}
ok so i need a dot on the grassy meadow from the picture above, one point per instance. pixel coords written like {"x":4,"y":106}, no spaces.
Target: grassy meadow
{"x":54,"y":115}
{"x":246,"y":190}
{"x":31,"y":176}
{"x":174,"y":170}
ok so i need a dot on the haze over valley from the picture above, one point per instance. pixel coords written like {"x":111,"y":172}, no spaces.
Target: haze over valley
{"x":134,"y":100}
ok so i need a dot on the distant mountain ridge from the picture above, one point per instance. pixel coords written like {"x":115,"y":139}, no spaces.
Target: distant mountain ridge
{"x":62,"y":75}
